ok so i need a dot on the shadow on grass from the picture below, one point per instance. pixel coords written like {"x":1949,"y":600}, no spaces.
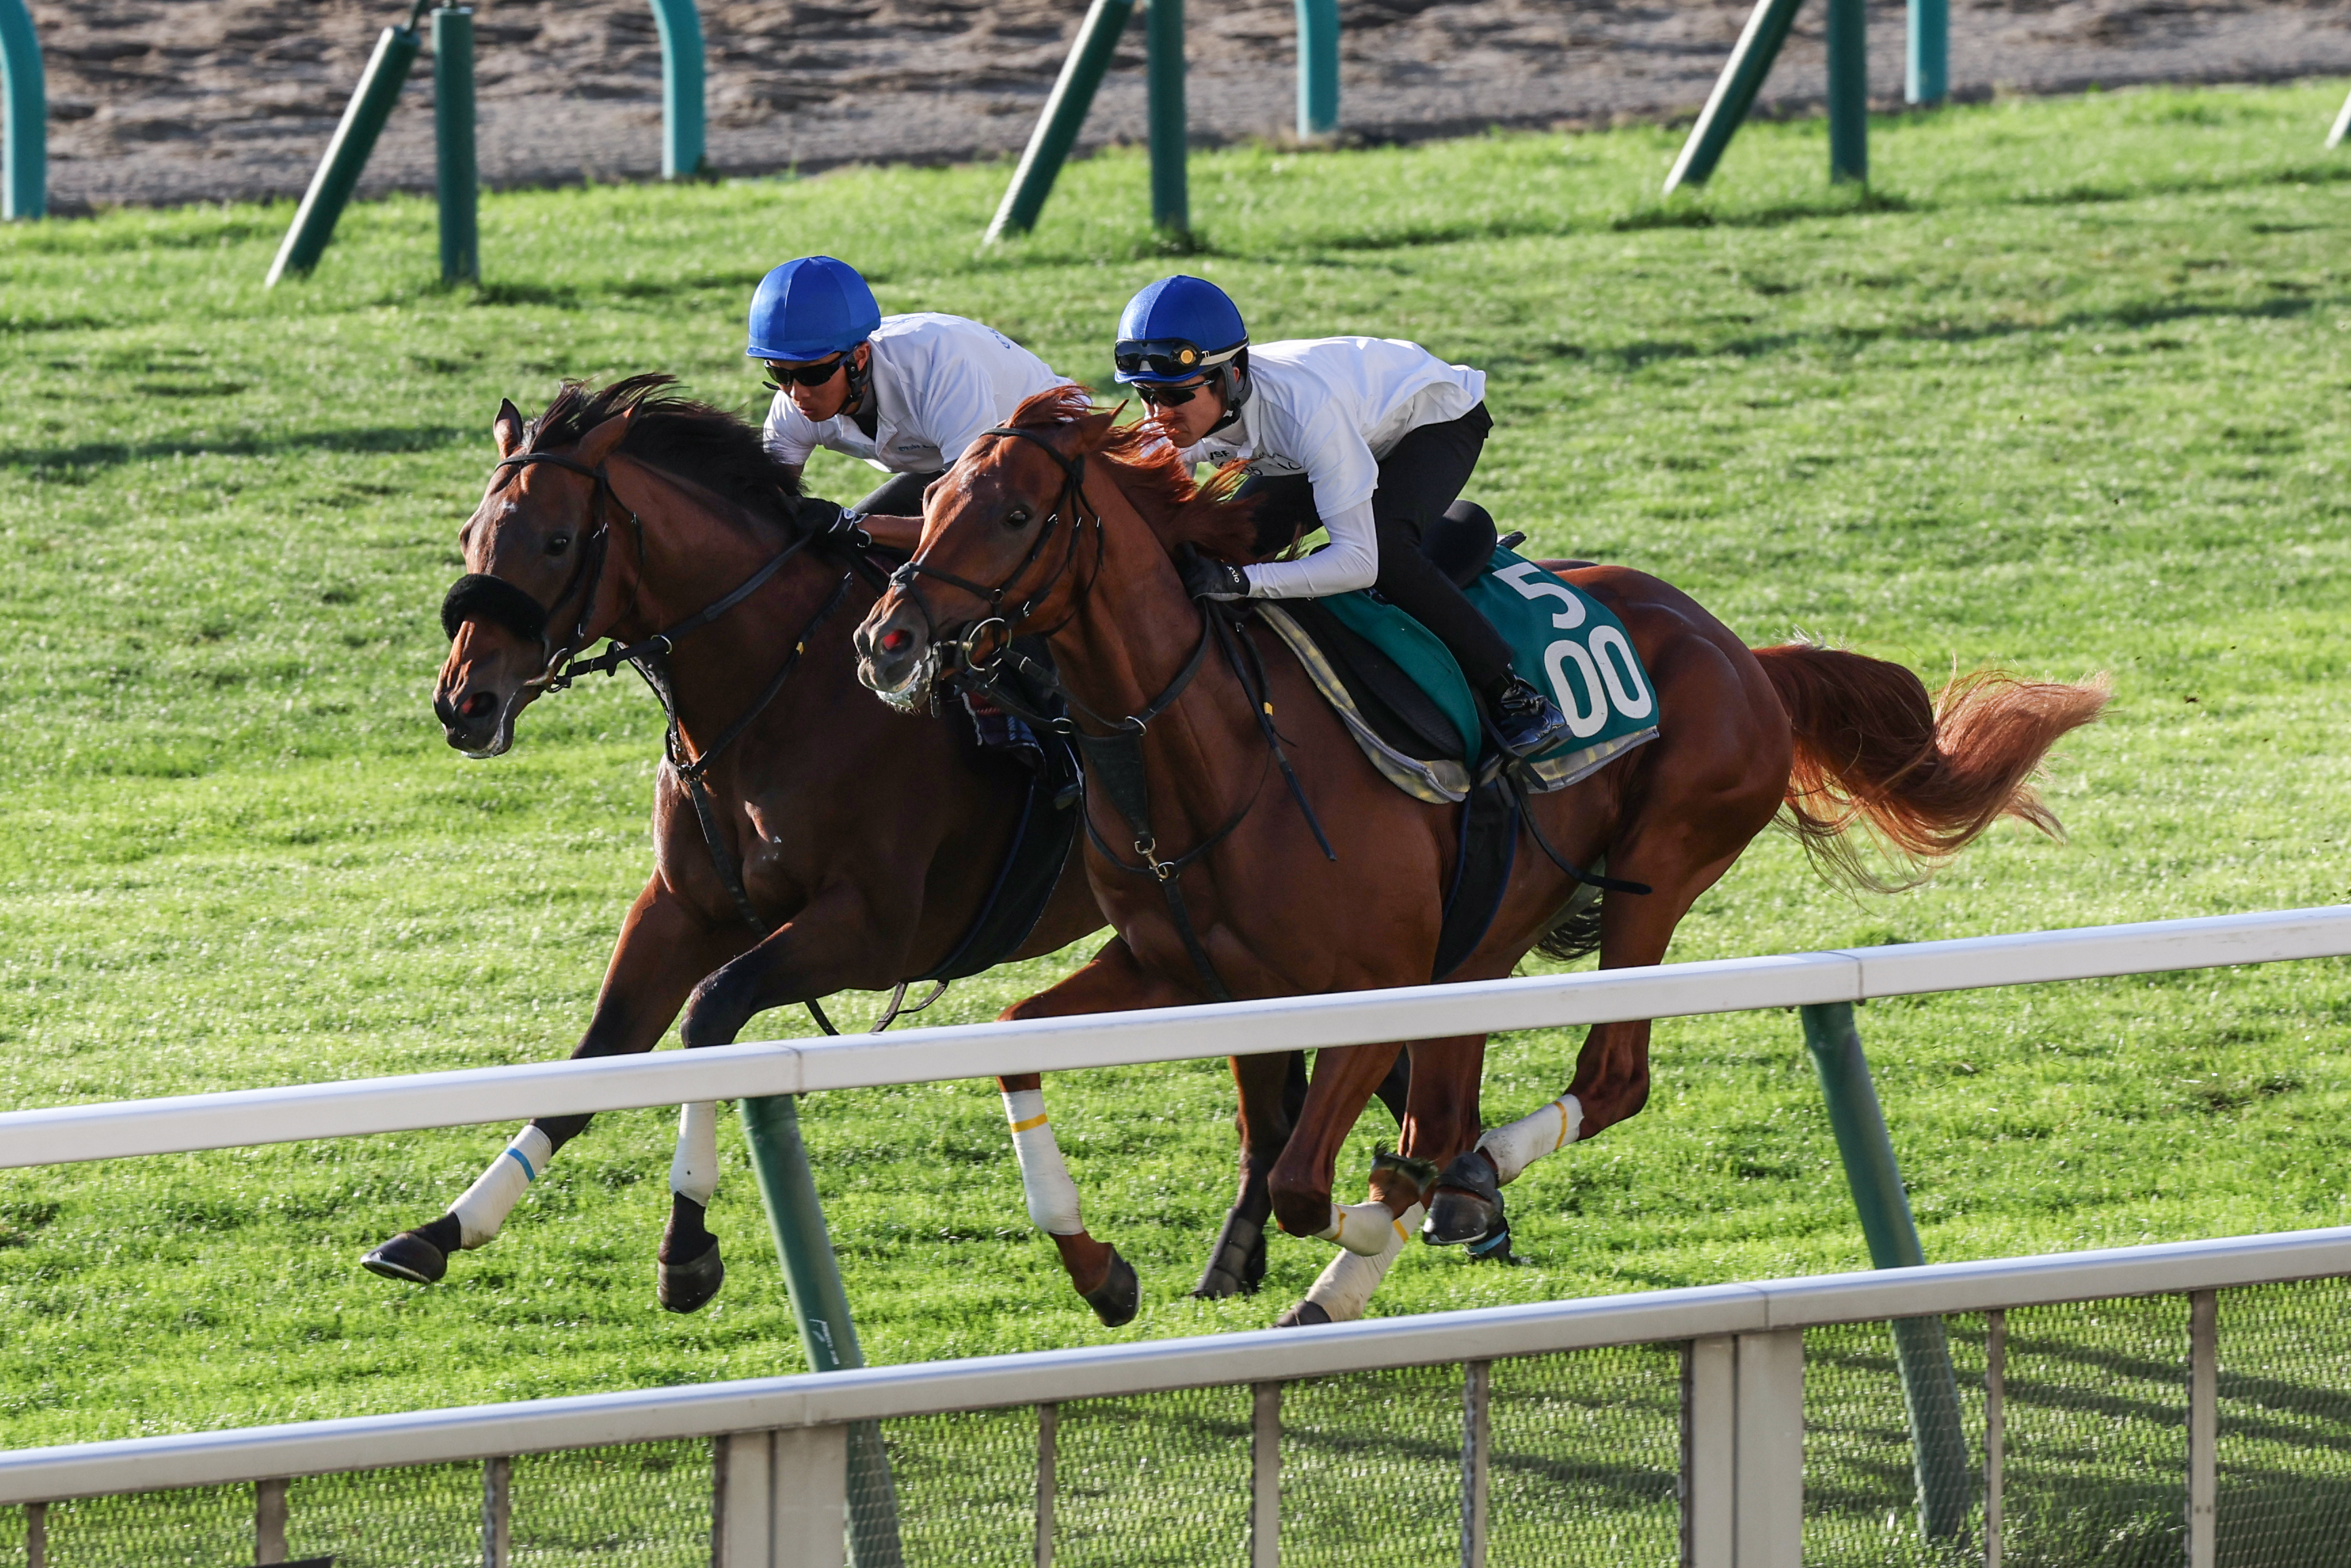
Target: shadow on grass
{"x":115,"y":453}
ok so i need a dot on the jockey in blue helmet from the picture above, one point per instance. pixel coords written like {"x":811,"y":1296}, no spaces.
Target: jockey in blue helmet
{"x":1368,"y":438}
{"x":906,"y":393}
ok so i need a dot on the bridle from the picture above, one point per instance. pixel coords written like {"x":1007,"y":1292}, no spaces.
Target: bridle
{"x":480,"y":594}
{"x":1113,"y":761}
{"x":1070,"y":507}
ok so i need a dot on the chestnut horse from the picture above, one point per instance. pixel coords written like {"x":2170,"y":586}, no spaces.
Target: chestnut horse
{"x":858,"y":848}
{"x":1067,"y":522}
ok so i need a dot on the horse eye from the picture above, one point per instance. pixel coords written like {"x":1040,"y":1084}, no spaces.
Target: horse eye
{"x":559,"y":544}
{"x":1017,"y":518}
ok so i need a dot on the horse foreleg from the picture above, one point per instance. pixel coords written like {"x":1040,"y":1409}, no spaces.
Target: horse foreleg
{"x":1113,"y":982}
{"x":1438,"y":1114}
{"x":661,"y":952}
{"x":1272,"y":1090}
{"x":1344,"y":1079}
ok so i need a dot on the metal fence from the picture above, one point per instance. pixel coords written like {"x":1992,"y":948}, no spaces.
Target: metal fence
{"x":2187,"y":1403}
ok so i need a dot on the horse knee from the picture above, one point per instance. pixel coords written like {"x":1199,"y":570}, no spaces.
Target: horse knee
{"x":1301,"y":1210}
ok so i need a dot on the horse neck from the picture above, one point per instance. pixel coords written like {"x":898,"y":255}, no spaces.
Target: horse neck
{"x":697,"y":551}
{"x":1127,"y":643}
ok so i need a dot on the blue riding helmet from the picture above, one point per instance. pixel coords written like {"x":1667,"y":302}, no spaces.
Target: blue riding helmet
{"x":810,"y":307}
{"x":1177,"y":329}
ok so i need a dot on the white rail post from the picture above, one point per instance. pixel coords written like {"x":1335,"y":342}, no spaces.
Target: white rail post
{"x":269,"y":1522}
{"x":1049,"y":1432}
{"x":1770,"y":1486}
{"x":498,"y":1511}
{"x":808,"y":1497}
{"x":1709,"y":1427}
{"x":1265,"y":1476}
{"x":2203,"y":1425}
{"x":1995,"y":1429}
{"x":739,"y":1504}
{"x":1477,"y":1446}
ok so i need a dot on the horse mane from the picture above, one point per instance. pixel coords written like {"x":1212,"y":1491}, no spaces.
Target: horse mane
{"x":1153,"y":476}
{"x":684,"y":439}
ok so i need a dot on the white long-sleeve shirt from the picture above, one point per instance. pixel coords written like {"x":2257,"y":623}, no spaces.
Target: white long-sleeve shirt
{"x":1331,"y":408}
{"x":938,"y":380}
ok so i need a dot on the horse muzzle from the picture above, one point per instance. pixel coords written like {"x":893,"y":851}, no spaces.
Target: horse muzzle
{"x":897,"y":659}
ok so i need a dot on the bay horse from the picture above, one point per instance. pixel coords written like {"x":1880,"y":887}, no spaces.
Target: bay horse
{"x":845,"y":847}
{"x":1066,"y":523}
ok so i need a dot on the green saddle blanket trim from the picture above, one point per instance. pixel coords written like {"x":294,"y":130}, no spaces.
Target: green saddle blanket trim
{"x":1562,"y":638}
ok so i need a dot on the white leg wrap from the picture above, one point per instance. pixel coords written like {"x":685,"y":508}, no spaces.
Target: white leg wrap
{"x":486,"y":1205}
{"x":1052,"y":1196}
{"x":1365,"y":1229}
{"x":1522,"y":1143}
{"x":694,"y":1170}
{"x":1346,"y":1285}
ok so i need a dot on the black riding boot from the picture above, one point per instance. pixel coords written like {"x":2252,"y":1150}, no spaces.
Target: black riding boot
{"x":1526,"y":722}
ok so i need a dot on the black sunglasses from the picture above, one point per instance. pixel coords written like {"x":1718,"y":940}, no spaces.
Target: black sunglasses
{"x":810,"y":375}
{"x":1159,"y":396}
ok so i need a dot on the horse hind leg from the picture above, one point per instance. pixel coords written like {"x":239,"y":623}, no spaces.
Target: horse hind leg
{"x":688,"y":1272}
{"x":1271,"y":1089}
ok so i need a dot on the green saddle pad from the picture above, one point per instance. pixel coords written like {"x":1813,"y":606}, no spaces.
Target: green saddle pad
{"x":1560,"y":638}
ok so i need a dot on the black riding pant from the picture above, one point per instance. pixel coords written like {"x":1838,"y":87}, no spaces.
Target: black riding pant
{"x":899,"y":495}
{"x":1423,"y":474}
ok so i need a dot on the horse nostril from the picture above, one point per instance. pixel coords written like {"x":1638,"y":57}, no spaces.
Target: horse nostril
{"x":896,"y":640}
{"x":478,"y":706}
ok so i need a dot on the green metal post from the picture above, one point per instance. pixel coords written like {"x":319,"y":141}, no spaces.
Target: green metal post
{"x":681,"y":122}
{"x":347,"y":154}
{"x":820,"y":1303}
{"x":1171,"y":207}
{"x":1318,"y":69}
{"x":1734,"y":91}
{"x":1848,"y":90}
{"x":1938,"y":1444}
{"x":1928,"y":79}
{"x":23,"y":116}
{"x":1065,"y":114}
{"x":453,"y":143}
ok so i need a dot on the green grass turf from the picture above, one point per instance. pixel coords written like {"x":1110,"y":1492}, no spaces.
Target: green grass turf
{"x":2063,"y":392}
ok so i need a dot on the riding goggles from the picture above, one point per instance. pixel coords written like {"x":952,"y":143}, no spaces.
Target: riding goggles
{"x":1164,"y":360}
{"x":809,"y":375}
{"x":1159,"y":394}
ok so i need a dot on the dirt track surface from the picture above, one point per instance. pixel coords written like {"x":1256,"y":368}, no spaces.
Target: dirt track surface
{"x":175,"y":100}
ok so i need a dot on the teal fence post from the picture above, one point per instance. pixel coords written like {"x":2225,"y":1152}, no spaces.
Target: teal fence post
{"x":1937,"y":1443}
{"x":24,"y":182}
{"x":1171,"y":207}
{"x":347,"y":154}
{"x":772,"y":1126}
{"x":1848,"y":90}
{"x":1734,"y":91}
{"x":681,"y":123}
{"x":453,"y":143}
{"x":1065,"y":114}
{"x":1927,"y":75}
{"x":1318,"y":69}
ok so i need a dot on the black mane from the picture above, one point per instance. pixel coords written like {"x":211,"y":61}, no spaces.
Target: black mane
{"x":693,"y":441}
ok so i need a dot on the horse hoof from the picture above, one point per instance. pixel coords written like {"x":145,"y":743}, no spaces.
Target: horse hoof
{"x":688,"y":1287}
{"x":1115,"y":1301}
{"x":1305,"y":1314}
{"x":409,"y":1257}
{"x":1466,"y":1206}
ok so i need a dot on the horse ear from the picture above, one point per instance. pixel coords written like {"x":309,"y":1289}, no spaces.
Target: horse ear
{"x":507,"y":429}
{"x":599,"y":443}
{"x":1095,"y":427}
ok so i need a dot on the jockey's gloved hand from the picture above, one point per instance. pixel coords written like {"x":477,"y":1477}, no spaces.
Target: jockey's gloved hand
{"x":834,"y":525}
{"x":1207,"y":577}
